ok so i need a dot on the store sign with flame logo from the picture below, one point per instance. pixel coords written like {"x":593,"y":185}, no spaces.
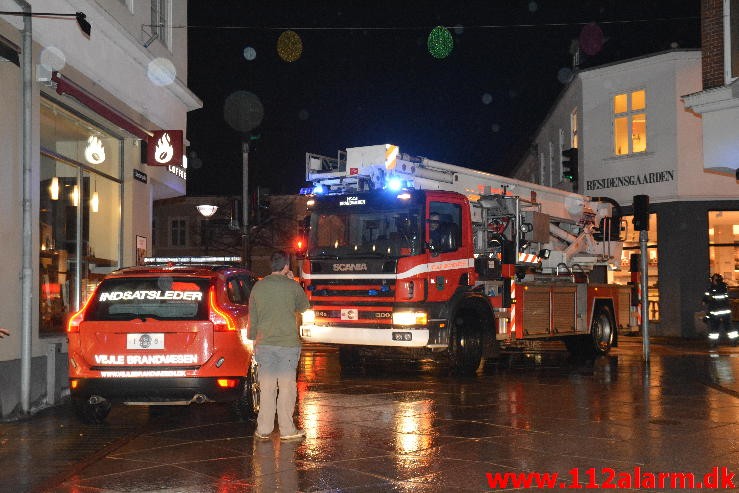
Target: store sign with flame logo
{"x":94,"y":150}
{"x":165,"y":148}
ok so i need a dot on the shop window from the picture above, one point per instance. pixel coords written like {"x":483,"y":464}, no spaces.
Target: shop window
{"x":630,"y":122}
{"x":630,"y":256}
{"x":723,"y":251}
{"x":723,"y":243}
{"x":79,"y":212}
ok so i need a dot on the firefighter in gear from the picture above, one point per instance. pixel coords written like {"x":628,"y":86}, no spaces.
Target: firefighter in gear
{"x":718,"y":306}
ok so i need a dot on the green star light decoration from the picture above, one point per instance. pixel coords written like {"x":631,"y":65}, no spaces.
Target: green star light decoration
{"x":440,"y":42}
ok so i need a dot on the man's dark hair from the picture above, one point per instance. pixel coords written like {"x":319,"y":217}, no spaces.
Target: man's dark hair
{"x":279,"y":260}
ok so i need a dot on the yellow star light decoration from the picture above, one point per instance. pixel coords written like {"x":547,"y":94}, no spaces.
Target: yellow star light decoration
{"x":289,"y":46}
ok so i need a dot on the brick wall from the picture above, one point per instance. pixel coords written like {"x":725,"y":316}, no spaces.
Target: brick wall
{"x":712,"y":41}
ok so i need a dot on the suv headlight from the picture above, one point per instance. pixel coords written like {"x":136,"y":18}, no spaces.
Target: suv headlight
{"x":410,"y":318}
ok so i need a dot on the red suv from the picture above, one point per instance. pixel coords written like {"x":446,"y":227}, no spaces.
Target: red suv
{"x":163,"y":335}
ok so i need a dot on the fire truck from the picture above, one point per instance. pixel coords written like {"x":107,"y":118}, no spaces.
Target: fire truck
{"x":407,"y":252}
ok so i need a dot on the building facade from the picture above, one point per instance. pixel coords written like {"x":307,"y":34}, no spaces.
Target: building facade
{"x":181,"y":230}
{"x":80,"y":110}
{"x":717,"y":102}
{"x":634,"y":136}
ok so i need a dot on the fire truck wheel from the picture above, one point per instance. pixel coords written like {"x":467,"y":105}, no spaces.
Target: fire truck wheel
{"x":465,"y":341}
{"x":247,"y":406}
{"x":601,"y":330}
{"x":91,"y":413}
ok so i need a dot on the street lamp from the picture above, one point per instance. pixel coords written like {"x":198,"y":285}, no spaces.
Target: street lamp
{"x":81,"y":18}
{"x":26,"y":157}
{"x":207,"y":212}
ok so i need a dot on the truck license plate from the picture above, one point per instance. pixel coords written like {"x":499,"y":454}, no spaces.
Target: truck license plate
{"x":402,"y":336}
{"x":145,"y":341}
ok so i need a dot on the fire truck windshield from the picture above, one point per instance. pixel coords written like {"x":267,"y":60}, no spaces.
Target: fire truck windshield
{"x":386,"y":233}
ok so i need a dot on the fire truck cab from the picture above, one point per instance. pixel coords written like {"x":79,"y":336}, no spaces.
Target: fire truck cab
{"x":411,"y":253}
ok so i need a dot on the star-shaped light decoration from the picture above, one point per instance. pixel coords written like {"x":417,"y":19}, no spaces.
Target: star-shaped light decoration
{"x":289,"y":46}
{"x":440,"y":42}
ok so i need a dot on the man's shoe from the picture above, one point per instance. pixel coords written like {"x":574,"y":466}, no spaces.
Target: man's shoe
{"x":259,"y":436}
{"x":294,"y":436}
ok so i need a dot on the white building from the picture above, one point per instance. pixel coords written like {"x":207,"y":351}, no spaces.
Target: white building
{"x":718,"y":101}
{"x":634,"y":136}
{"x":90,"y":103}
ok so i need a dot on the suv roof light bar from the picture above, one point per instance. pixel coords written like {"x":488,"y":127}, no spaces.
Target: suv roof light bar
{"x":190,"y":260}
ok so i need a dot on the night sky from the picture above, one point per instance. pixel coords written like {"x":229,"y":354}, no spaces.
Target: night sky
{"x":365,"y":76}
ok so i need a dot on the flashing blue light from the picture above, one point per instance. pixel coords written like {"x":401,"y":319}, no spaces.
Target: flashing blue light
{"x":384,"y":288}
{"x":372,"y":292}
{"x":318,"y":189}
{"x":395,"y":184}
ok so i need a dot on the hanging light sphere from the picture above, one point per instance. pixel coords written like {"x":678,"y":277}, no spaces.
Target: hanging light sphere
{"x":289,"y":46}
{"x":440,"y":42}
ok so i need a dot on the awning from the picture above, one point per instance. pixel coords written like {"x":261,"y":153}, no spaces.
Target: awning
{"x":9,"y":51}
{"x":66,"y":86}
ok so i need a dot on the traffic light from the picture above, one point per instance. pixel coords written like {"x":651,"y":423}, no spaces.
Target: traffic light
{"x":569,"y":165}
{"x":641,"y":213}
{"x":262,"y":207}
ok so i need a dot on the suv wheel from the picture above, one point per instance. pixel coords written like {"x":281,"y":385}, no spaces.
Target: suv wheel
{"x":247,"y":406}
{"x":91,"y":413}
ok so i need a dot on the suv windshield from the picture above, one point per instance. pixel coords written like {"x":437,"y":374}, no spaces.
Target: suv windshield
{"x":160,"y":298}
{"x":391,"y":233}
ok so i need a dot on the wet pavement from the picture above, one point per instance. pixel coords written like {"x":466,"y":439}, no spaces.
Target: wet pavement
{"x":411,"y":429}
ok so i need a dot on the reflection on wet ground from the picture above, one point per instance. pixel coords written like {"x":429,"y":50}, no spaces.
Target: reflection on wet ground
{"x":400,"y":426}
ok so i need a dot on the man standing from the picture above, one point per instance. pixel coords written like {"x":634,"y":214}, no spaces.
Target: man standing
{"x":434,"y":230}
{"x":717,"y":302}
{"x":273,"y":305}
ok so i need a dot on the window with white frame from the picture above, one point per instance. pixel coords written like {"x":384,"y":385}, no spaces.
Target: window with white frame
{"x":731,"y":39}
{"x":551,"y":164}
{"x":560,"y":148}
{"x":178,"y":232}
{"x":573,"y":129}
{"x":541,"y":168}
{"x":630,"y":122}
{"x":159,"y":20}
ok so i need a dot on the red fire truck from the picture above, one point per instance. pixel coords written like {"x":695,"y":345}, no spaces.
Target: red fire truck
{"x":406,"y":252}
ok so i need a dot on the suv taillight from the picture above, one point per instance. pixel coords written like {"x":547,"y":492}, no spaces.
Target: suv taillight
{"x":74,"y":321}
{"x":221,"y":320}
{"x":73,"y":325}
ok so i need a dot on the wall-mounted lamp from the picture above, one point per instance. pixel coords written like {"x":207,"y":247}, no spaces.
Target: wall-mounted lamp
{"x":79,"y":16}
{"x":54,"y":188}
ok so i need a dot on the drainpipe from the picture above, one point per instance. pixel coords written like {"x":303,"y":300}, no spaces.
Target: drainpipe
{"x":26,"y":248}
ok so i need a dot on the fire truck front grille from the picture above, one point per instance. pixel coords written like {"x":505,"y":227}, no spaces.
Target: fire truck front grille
{"x":354,"y":288}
